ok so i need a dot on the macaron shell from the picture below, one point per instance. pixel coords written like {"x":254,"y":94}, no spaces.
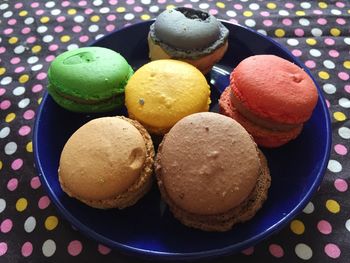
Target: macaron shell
{"x":274,"y":88}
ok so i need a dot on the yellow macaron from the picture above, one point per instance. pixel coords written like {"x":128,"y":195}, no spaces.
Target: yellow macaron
{"x":162,"y":92}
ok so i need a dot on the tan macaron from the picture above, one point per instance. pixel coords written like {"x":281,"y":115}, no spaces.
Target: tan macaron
{"x":107,"y":163}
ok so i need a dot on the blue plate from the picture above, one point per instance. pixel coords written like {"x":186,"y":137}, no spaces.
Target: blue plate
{"x":148,"y":229}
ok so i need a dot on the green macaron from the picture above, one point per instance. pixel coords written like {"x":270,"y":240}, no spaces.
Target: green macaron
{"x":89,"y":79}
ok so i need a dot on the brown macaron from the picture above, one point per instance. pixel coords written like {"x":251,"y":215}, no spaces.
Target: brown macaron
{"x":107,"y":163}
{"x":210,"y":172}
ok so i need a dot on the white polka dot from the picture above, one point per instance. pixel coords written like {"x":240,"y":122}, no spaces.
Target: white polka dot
{"x":50,"y":4}
{"x":146,"y":2}
{"x":303,"y":251}
{"x":0,"y":39}
{"x":344,"y":102}
{"x":37,"y":67}
{"x":93,"y":28}
{"x":194,"y":1}
{"x":244,"y":0}
{"x":231,"y":13}
{"x":2,"y":205}
{"x":4,"y":132}
{"x":329,"y":88}
{"x":104,"y":10}
{"x":305,"y":5}
{"x":283,"y":13}
{"x":79,"y":19}
{"x":250,"y":22}
{"x":309,"y":208}
{"x":129,"y":16}
{"x":6,"y":80}
{"x":304,"y":22}
{"x":99,"y":36}
{"x":155,"y":9}
{"x":347,"y":40}
{"x":19,"y":49}
{"x":41,"y":29}
{"x":316,"y":32}
{"x":4,"y":6}
{"x":254,"y":6}
{"x":10,"y":148}
{"x":29,"y":20}
{"x":55,"y":12}
{"x":204,"y":6}
{"x":7,"y":14}
{"x":97,"y":2}
{"x":344,"y":132}
{"x":19,"y":91}
{"x":334,"y":166}
{"x":47,"y":38}
{"x":336,"y":12}
{"x":32,"y":60}
{"x":315,"y":52}
{"x":29,"y":224}
{"x":329,"y":64}
{"x":347,"y":224}
{"x":49,"y":248}
{"x":72,"y":47}
{"x":292,"y":42}
{"x":24,"y":103}
{"x":262,"y":31}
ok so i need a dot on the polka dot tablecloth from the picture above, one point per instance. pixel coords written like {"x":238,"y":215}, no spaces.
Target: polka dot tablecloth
{"x":33,"y":33}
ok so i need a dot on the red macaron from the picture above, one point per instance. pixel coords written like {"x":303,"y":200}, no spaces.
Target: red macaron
{"x":270,"y":97}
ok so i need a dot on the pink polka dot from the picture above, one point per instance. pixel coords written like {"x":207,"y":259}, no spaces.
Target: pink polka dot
{"x":332,"y":250}
{"x":44,"y":202}
{"x":341,"y":21}
{"x":19,"y":69}
{"x":4,"y":105}
{"x":318,"y":12}
{"x":75,"y":247}
{"x":130,"y":2}
{"x":15,"y":60}
{"x":110,"y":28}
{"x":324,"y":227}
{"x":340,"y":149}
{"x":322,"y":21}
{"x":18,"y":5}
{"x":289,"y":5}
{"x":328,"y":104}
{"x":343,"y":75}
{"x":248,"y":251}
{"x":2,"y":91}
{"x":37,"y":88}
{"x":333,"y":53}
{"x":83,"y":38}
{"x":299,"y":32}
{"x":41,"y":76}
{"x":113,"y":2}
{"x":12,"y":184}
{"x":27,"y":249}
{"x":34,"y":5}
{"x":329,"y":41}
{"x":103,"y":249}
{"x":25,"y":30}
{"x":3,"y":248}
{"x":233,"y":21}
{"x":65,"y":3}
{"x":238,"y":6}
{"x":341,"y":185}
{"x":58,"y":29}
{"x":6,"y":226}
{"x":2,"y":50}
{"x":111,"y":18}
{"x":8,"y":31}
{"x":340,"y":4}
{"x":35,"y":182}
{"x":24,"y":130}
{"x":213,"y":12}
{"x":49,"y":58}
{"x":138,"y":9}
{"x":17,"y":164}
{"x":347,"y":88}
{"x":82,"y":3}
{"x":287,"y":22}
{"x":76,"y":29}
{"x":188,"y":6}
{"x":60,"y":19}
{"x":12,"y":22}
{"x":297,"y":52}
{"x":276,"y":250}
{"x":267,"y":22}
{"x":310,"y":64}
{"x":264,"y":13}
{"x":39,"y":12}
{"x":161,"y":1}
{"x":31,"y":40}
{"x":88,"y":11}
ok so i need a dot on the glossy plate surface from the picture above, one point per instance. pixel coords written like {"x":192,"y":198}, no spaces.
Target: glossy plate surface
{"x":148,"y":229}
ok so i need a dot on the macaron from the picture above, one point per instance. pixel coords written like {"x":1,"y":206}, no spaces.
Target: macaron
{"x":190,"y":35}
{"x":89,"y":79}
{"x":162,"y":92}
{"x":107,"y":163}
{"x":270,"y":97}
{"x":211,"y":173}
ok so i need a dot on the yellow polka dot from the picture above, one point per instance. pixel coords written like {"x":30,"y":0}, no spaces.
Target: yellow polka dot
{"x":29,"y":147}
{"x":300,"y":13}
{"x":23,"y":13}
{"x":120,"y":9}
{"x":95,"y":18}
{"x":339,"y":116}
{"x":44,"y":19}
{"x":220,"y":4}
{"x":297,"y":227}
{"x":280,"y":32}
{"x":333,"y":206}
{"x":145,"y":17}
{"x":71,"y":11}
{"x":0,"y":165}
{"x":247,"y":13}
{"x":24,"y":78}
{"x":2,"y":71}
{"x":335,"y":32}
{"x":21,"y":204}
{"x":65,"y":38}
{"x":346,"y":64}
{"x":40,"y":99}
{"x":322,"y":5}
{"x":10,"y":117}
{"x":271,"y":5}
{"x":170,"y":7}
{"x":13,"y":40}
{"x":36,"y":49}
{"x":51,"y":222}
{"x":311,"y":41}
{"x":349,"y":11}
{"x":323,"y":75}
